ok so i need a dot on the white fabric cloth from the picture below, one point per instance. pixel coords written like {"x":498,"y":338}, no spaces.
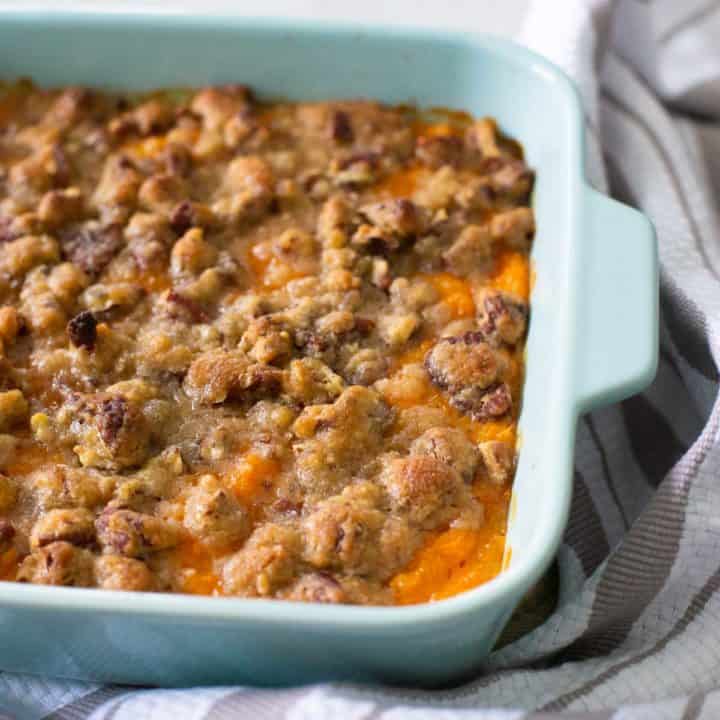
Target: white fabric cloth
{"x":636,"y":629}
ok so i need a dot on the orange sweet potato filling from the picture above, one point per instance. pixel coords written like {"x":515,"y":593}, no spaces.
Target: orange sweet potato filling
{"x":512,"y":274}
{"x":454,"y":291}
{"x":8,"y":564}
{"x":269,"y":270}
{"x":456,"y":560}
{"x":247,"y":479}
{"x":196,"y":560}
{"x":27,"y":459}
{"x":401,"y":183}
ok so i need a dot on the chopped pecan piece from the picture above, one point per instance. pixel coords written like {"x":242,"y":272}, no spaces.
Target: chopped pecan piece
{"x":112,"y":431}
{"x":341,"y":127}
{"x":188,"y":215}
{"x":388,"y":225}
{"x":495,"y":402}
{"x":513,"y":179}
{"x":399,"y":217}
{"x":7,"y":533}
{"x":439,"y":150}
{"x":356,"y":170}
{"x":134,"y":534}
{"x":112,"y":417}
{"x":7,"y":231}
{"x":91,"y":247}
{"x":502,"y":317}
{"x":82,"y":330}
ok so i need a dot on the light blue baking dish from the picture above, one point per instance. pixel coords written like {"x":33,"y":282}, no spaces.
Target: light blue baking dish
{"x":593,"y":340}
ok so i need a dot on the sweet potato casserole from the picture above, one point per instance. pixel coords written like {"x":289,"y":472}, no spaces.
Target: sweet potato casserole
{"x":257,"y":349}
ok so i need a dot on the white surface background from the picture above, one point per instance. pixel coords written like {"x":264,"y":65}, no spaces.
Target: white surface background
{"x":497,"y":16}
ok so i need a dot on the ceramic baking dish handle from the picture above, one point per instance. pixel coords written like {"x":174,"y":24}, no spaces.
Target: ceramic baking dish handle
{"x":617,"y":321}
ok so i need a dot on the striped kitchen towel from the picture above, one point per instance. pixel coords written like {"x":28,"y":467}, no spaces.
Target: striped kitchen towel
{"x":635,"y":631}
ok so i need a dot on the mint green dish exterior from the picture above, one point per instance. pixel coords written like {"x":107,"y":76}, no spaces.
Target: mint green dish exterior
{"x":593,"y":340}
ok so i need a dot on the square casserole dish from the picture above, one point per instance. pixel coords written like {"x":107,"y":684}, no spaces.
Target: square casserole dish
{"x":592,"y":340}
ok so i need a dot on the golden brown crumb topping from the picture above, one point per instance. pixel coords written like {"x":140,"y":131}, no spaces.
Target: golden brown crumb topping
{"x":257,"y":349}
